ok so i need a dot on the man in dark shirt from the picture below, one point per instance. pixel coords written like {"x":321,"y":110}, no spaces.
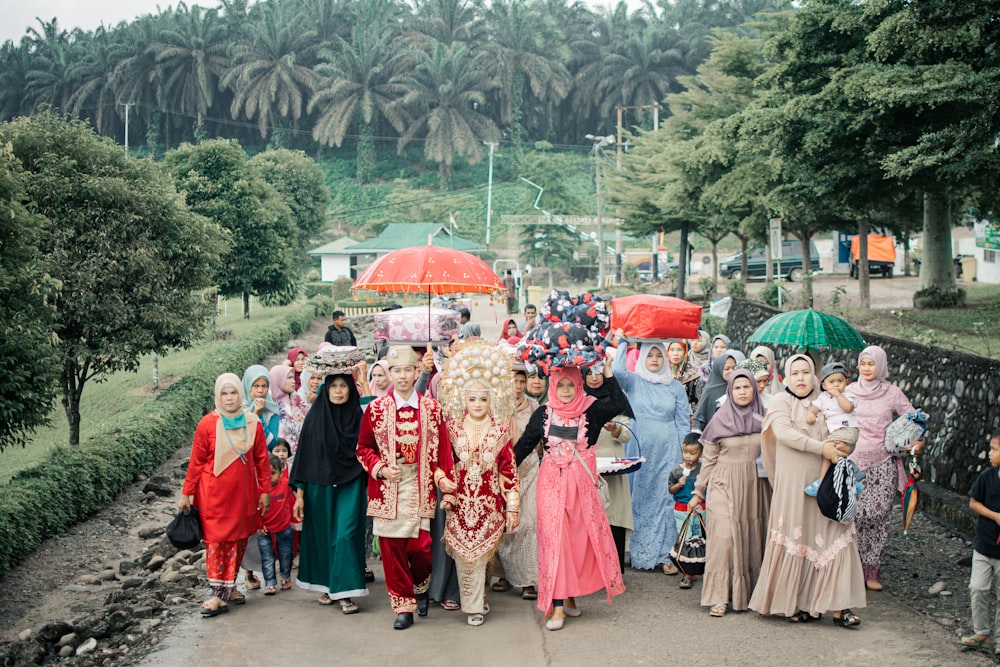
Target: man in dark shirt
{"x":339,"y":333}
{"x":984,"y":500}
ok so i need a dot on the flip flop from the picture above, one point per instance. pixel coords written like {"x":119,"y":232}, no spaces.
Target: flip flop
{"x":529,"y":593}
{"x":451,"y":605}
{"x":324,"y":600}
{"x":348,"y":607}
{"x":973,"y":641}
{"x":237,"y":599}
{"x":502,"y":586}
{"x":209,"y":612}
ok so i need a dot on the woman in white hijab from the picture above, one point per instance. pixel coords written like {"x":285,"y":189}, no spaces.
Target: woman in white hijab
{"x":662,"y":418}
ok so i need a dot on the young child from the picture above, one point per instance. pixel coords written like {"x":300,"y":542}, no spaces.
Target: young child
{"x":681,"y":486}
{"x":277,"y":525}
{"x":837,"y":405}
{"x":984,"y":500}
{"x":283,"y":451}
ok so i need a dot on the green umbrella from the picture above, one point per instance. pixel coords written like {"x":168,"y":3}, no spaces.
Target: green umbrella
{"x":808,"y":328}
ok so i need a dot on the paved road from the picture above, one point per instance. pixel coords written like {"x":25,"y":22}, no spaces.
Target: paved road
{"x":653,"y":623}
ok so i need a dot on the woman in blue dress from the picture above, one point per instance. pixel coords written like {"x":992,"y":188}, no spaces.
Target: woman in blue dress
{"x":662,"y":418}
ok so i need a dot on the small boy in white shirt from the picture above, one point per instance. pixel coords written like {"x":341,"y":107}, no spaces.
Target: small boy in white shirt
{"x":837,"y":406}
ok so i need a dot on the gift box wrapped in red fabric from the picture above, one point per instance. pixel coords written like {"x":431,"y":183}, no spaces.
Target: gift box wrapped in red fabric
{"x":653,"y":317}
{"x":410,"y":324}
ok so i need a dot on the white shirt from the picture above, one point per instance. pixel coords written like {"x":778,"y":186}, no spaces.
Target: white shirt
{"x":835,"y":416}
{"x":413,"y":401}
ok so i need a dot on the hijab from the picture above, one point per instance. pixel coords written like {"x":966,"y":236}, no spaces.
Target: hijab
{"x":795,"y":407}
{"x":303,"y":391}
{"x":327,"y":450}
{"x":251,"y":375}
{"x":604,"y":392}
{"x":731,"y":419}
{"x":699,"y":359}
{"x":869,"y":389}
{"x":384,"y":365}
{"x":293,"y":354}
{"x":715,"y":388}
{"x":662,"y":376}
{"x":580,"y":402}
{"x":278,"y":376}
{"x":233,"y":429}
{"x":774,"y":385}
{"x":516,"y":338}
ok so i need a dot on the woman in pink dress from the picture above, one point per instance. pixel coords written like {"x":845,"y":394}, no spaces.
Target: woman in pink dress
{"x":576,"y":552}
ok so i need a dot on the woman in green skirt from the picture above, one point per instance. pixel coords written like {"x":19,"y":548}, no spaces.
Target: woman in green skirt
{"x":331,"y":496}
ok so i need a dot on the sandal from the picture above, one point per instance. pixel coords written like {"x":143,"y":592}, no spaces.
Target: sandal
{"x":670,"y":569}
{"x":847,"y":619}
{"x":369,"y":576}
{"x":686,"y":581}
{"x":451,"y":605}
{"x":286,"y":585}
{"x":252,"y":582}
{"x":803,"y":617}
{"x":270,"y":590}
{"x":476,"y":620}
{"x":873,"y":585}
{"x":502,"y":586}
{"x":237,"y":598}
{"x":529,"y":593}
{"x":324,"y":600}
{"x":213,"y":607}
{"x":348,"y":607}
{"x":718,"y":610}
{"x":973,"y":641}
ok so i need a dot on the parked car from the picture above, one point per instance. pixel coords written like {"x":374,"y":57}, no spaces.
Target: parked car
{"x":881,"y":255}
{"x":791,"y":262}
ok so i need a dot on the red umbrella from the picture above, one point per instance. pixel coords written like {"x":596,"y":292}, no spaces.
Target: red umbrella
{"x":911,"y":494}
{"x":428,"y":270}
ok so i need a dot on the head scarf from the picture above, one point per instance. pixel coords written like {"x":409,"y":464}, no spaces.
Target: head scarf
{"x":326,"y":454}
{"x":774,"y":384}
{"x":876,"y":388}
{"x":604,"y":392}
{"x":715,"y":388}
{"x":303,"y":391}
{"x":662,"y":376}
{"x":251,"y":375}
{"x":513,"y":340}
{"x":293,"y":354}
{"x":580,"y":402}
{"x":376,"y":393}
{"x":233,"y":430}
{"x":278,"y":376}
{"x":731,"y":419}
{"x":795,"y":408}
{"x":698,"y":359}
{"x":724,"y":338}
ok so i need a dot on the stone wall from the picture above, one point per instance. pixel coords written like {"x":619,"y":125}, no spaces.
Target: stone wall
{"x":958,"y":391}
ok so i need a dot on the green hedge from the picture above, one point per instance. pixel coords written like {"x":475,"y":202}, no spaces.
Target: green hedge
{"x":74,"y":483}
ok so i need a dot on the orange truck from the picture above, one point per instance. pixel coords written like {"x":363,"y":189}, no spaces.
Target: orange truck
{"x":881,"y":255}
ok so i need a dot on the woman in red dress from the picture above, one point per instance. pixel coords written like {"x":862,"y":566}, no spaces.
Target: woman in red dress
{"x":229,"y":481}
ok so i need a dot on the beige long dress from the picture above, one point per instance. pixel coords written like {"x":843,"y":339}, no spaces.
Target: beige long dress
{"x":736,"y":509}
{"x":518,"y":550}
{"x":810,"y":563}
{"x":619,"y":510}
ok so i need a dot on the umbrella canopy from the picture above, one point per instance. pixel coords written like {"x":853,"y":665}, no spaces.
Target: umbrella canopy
{"x":808,"y":328}
{"x":911,"y":494}
{"x":428,"y":270}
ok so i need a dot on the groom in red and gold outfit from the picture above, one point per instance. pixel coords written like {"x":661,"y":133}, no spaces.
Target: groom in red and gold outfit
{"x":404,"y":447}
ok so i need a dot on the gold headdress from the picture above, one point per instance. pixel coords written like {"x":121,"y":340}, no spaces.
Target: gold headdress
{"x":476,"y":363}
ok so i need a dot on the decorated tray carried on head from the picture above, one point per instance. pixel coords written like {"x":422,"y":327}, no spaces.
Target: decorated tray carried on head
{"x":588,"y":310}
{"x":334,"y":360}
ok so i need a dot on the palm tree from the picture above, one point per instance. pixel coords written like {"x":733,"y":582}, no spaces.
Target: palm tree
{"x":641,"y":69}
{"x":15,"y":63}
{"x":443,"y":96}
{"x":444,"y":21}
{"x":136,"y":77}
{"x":93,"y":76}
{"x":47,"y":81}
{"x":267,"y":75}
{"x":529,"y":59}
{"x":192,"y":55}
{"x":356,"y":86}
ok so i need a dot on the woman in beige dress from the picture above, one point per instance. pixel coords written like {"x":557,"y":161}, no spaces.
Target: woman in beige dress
{"x":737,"y":500}
{"x":811,"y":564}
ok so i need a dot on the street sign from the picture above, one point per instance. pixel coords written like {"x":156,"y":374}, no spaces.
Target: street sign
{"x":774,"y":234}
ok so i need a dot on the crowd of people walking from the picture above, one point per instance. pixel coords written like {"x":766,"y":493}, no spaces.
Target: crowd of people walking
{"x":469,"y":472}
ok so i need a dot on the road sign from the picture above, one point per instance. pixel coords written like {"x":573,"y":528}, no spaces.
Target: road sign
{"x":774,"y":232}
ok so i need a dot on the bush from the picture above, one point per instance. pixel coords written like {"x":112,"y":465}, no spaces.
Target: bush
{"x":769,"y":295}
{"x":712,"y":325}
{"x":708,"y":286}
{"x":73,"y":483}
{"x":342,"y":289}
{"x":936,"y":297}
{"x":736,"y":288}
{"x":316,"y":288}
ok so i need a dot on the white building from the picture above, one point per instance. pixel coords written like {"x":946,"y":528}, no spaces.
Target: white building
{"x":336,"y":261}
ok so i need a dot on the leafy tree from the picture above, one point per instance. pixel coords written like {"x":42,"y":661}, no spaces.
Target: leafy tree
{"x":128,"y":256}
{"x":302,"y":186}
{"x":218,"y":183}
{"x":28,"y":362}
{"x":442,"y":96}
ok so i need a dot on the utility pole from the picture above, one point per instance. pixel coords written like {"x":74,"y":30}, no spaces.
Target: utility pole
{"x":489,"y":193}
{"x":128,"y":106}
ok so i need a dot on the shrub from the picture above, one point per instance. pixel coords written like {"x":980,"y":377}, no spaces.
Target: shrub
{"x":342,"y":289}
{"x":712,"y":325}
{"x":769,"y":295}
{"x":708,"y":286}
{"x":736,"y":288}
{"x":316,"y":288}
{"x":73,"y":483}
{"x":937,"y":297}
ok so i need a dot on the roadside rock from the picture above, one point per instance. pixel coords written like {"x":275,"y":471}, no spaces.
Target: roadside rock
{"x":24,"y":635}
{"x":51,"y":632}
{"x":935,"y":589}
{"x":86,"y":647}
{"x":69,"y":638}
{"x":147,"y":532}
{"x":161,"y":490}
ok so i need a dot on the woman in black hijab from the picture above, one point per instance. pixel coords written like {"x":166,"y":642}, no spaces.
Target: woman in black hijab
{"x":331,"y":496}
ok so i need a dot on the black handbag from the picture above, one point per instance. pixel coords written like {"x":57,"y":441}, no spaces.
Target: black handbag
{"x":184,"y":531}
{"x":688,"y":552}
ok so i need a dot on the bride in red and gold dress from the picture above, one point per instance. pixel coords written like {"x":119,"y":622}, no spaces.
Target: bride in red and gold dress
{"x":477,"y":396}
